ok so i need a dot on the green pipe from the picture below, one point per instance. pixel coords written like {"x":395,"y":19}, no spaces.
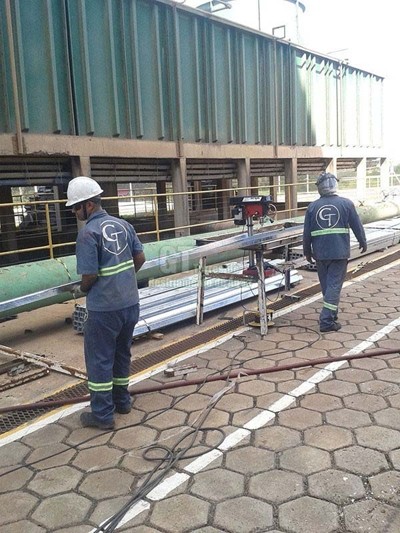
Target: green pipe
{"x":20,"y":280}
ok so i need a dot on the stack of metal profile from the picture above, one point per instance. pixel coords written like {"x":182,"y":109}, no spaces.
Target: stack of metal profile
{"x":175,"y":300}
{"x":380,"y":235}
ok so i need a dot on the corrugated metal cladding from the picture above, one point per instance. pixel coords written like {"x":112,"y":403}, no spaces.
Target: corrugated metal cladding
{"x":150,"y":69}
{"x":124,"y":170}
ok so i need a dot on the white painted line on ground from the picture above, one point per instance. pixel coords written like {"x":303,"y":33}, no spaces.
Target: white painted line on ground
{"x":62,"y":412}
{"x":46,"y":419}
{"x":260,"y":420}
{"x":263,"y":418}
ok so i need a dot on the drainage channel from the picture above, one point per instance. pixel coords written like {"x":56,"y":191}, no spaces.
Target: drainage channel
{"x":14,"y":419}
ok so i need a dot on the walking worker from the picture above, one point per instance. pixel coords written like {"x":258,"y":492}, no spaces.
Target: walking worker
{"x":326,"y":239}
{"x":108,"y":254}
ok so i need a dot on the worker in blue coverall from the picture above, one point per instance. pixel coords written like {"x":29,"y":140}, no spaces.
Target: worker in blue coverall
{"x":108,"y":254}
{"x":326,"y":239}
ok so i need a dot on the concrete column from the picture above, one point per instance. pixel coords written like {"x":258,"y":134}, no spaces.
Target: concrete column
{"x":161,"y":188}
{"x":385,"y":174}
{"x":8,"y":229}
{"x":224,"y":209}
{"x":361,"y":177}
{"x":291,"y":187}
{"x":80,"y":166}
{"x":181,"y":201}
{"x":254,"y":185}
{"x":196,"y":200}
{"x":273,"y":183}
{"x":332,"y":166}
{"x":243,"y":176}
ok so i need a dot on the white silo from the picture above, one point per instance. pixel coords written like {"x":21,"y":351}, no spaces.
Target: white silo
{"x":275,"y":17}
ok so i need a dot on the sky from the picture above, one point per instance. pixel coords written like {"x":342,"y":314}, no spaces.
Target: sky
{"x":364,"y":32}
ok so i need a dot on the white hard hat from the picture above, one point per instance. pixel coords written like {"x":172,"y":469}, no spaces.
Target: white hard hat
{"x":82,"y":188}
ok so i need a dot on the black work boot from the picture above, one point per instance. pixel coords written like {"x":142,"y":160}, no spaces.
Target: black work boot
{"x":333,"y":327}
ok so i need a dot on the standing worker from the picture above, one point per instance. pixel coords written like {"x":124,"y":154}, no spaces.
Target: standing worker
{"x":326,"y":238}
{"x":108,"y":254}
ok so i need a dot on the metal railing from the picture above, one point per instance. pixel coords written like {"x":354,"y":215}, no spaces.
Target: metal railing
{"x":52,"y":228}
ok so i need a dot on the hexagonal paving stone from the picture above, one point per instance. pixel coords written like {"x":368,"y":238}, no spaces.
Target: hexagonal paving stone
{"x":134,"y":438}
{"x":256,"y":387}
{"x":241,"y":515}
{"x":193,"y":402}
{"x":321,"y":402}
{"x":235,"y":402}
{"x":395,"y":458}
{"x":372,"y":517}
{"x":62,"y":510}
{"x":106,"y":508}
{"x":388,"y":417}
{"x":152,"y":402}
{"x":383,"y":439}
{"x":376,"y":386}
{"x":354,"y":375}
{"x":55,"y":480}
{"x":365,"y":402}
{"x":299,"y":418}
{"x":15,"y":479}
{"x":394,"y":400}
{"x":389,"y":374}
{"x":75,"y":529}
{"x":336,"y":486}
{"x":24,"y":526}
{"x":276,"y":486}
{"x":386,"y":487}
{"x":308,"y":515}
{"x":13,"y":454}
{"x":107,"y":483}
{"x":16,"y":506}
{"x":216,"y":418}
{"x":167,"y":419}
{"x":249,"y":460}
{"x":360,"y":460}
{"x":277,"y":438}
{"x":51,"y":456}
{"x":217,"y":485}
{"x":348,"y":418}
{"x":51,"y":434}
{"x":97,"y":458}
{"x":181,"y":513}
{"x":305,"y":460}
{"x":328,"y":437}
{"x":337,"y":388}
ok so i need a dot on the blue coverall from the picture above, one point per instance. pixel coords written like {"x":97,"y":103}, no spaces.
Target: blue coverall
{"x":106,"y":246}
{"x":326,"y":238}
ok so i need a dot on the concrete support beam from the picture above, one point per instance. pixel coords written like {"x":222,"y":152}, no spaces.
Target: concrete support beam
{"x":196,"y":200}
{"x":274,"y":183}
{"x":385,"y":168}
{"x":80,"y":166}
{"x":162,"y":210}
{"x":7,"y":223}
{"x":243,"y":176}
{"x":224,"y":209}
{"x":181,"y":203}
{"x":110,"y":190}
{"x":291,"y":187}
{"x":361,"y":177}
{"x":332,"y":166}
